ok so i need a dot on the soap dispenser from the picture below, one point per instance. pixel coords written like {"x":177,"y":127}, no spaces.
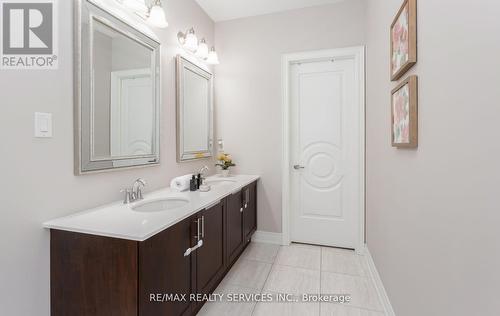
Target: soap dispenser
{"x":193,"y":184}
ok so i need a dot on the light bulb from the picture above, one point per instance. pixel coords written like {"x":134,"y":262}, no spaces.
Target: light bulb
{"x":157,"y":17}
{"x":191,"y":41}
{"x":212,"y":58}
{"x":202,"y":51}
{"x":136,"y":5}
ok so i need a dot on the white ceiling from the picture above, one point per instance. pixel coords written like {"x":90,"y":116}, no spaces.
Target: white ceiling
{"x":221,"y":10}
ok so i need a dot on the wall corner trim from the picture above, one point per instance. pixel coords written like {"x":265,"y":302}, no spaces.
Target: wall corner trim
{"x":382,"y":294}
{"x":267,"y":237}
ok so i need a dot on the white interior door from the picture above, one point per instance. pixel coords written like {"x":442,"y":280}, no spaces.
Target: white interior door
{"x":325,"y":153}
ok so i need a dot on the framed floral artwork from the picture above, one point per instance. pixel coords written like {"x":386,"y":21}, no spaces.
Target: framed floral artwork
{"x":404,"y":39}
{"x":404,"y":113}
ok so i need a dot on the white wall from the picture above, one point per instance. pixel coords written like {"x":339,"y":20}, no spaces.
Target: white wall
{"x":433,"y":213}
{"x":37,"y":174}
{"x":248,"y":85}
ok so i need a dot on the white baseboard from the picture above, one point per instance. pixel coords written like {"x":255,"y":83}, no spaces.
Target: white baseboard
{"x":382,"y":294}
{"x":267,"y":237}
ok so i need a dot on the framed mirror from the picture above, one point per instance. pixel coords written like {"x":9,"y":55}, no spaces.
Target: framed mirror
{"x":194,"y":111}
{"x":117,"y":85}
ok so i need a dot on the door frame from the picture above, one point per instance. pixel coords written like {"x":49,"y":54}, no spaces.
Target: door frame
{"x":358,"y":54}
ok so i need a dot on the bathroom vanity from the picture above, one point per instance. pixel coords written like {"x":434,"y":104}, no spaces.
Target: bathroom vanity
{"x":147,"y":257}
{"x":127,"y":259}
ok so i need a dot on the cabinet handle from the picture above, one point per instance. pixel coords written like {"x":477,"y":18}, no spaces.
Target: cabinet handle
{"x":241,"y":209}
{"x":203,"y":227}
{"x":190,"y":250}
{"x":197,"y":229}
{"x":246,"y":205}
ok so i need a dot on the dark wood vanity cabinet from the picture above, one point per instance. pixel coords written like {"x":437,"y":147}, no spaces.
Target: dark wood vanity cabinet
{"x":249,"y":211}
{"x":92,"y":275}
{"x":234,"y":225}
{"x":95,"y":275}
{"x":211,"y":257}
{"x":163,"y":269}
{"x":241,"y":220}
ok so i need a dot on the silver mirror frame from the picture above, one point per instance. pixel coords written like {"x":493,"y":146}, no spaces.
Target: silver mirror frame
{"x":183,"y":63}
{"x":83,"y":94}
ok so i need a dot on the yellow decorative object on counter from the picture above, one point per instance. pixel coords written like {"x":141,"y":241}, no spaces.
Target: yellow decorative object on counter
{"x":225,"y":161}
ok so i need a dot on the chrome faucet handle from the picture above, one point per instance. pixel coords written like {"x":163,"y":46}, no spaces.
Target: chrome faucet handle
{"x":203,"y":170}
{"x":128,"y":195}
{"x":137,"y":189}
{"x":140,"y":181}
{"x":202,"y":173}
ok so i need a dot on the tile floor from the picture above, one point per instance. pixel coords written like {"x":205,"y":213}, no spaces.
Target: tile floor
{"x":297,"y":269}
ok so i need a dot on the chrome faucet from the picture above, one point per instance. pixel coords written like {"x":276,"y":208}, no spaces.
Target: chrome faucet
{"x":135,"y":193}
{"x":137,"y":187}
{"x":202,"y":172}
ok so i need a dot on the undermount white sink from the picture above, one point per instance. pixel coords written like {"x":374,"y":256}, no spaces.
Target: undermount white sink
{"x":160,"y":205}
{"x":218,"y":181}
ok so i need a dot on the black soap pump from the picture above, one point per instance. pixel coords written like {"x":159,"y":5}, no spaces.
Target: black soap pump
{"x":193,"y":184}
{"x":199,"y":181}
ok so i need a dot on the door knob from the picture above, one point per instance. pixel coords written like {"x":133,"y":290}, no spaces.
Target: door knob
{"x":298,"y":167}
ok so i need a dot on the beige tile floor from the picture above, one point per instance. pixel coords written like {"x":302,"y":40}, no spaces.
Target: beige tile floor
{"x":297,"y":269}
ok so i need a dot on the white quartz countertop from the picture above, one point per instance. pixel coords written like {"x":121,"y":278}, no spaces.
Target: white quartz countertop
{"x":118,"y":220}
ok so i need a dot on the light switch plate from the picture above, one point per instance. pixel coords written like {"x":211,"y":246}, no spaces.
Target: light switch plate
{"x":43,"y":125}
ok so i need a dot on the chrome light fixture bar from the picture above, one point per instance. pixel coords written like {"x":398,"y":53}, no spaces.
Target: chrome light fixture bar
{"x":189,"y":41}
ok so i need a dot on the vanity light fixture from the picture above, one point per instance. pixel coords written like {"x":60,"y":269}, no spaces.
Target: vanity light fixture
{"x":188,"y":40}
{"x":157,"y":15}
{"x":154,"y":13}
{"x":212,"y":58}
{"x":202,"y":51}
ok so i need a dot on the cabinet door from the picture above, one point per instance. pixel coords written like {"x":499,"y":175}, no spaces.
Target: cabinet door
{"x":249,"y":211}
{"x":234,"y":226}
{"x":210,"y":257}
{"x":163,"y":269}
{"x":92,"y":275}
